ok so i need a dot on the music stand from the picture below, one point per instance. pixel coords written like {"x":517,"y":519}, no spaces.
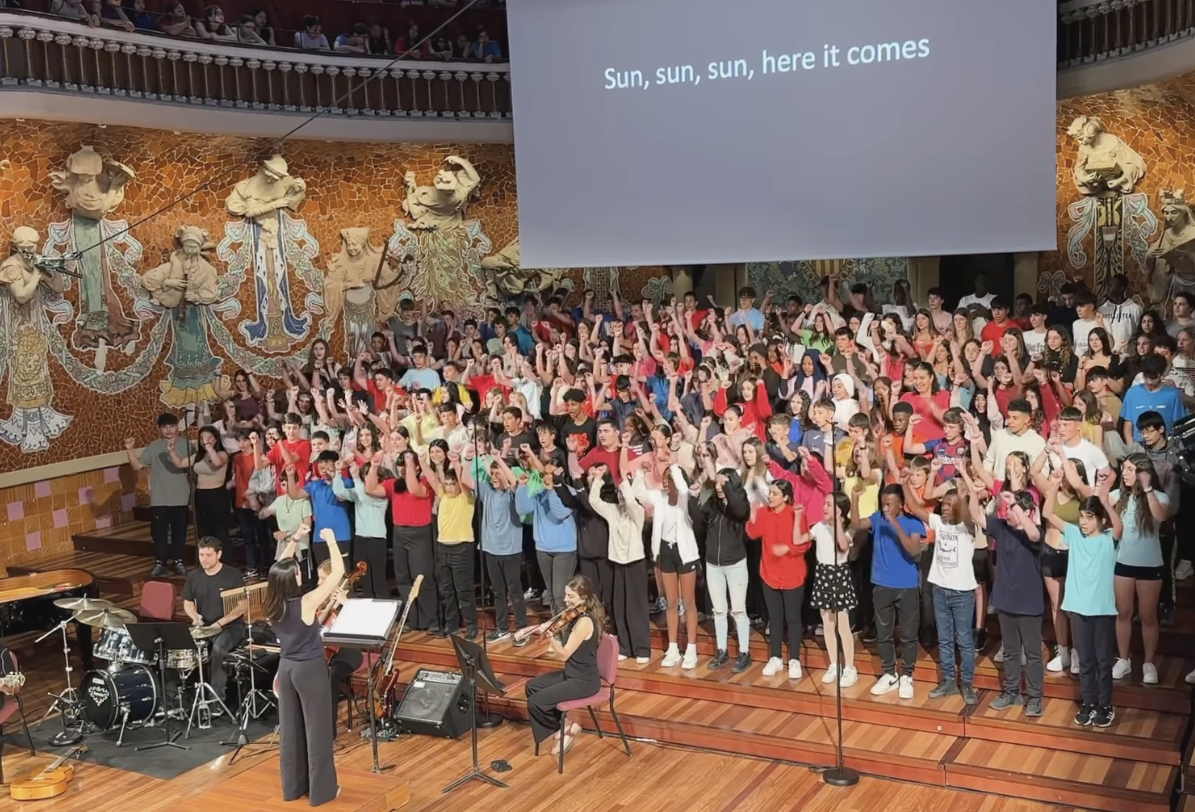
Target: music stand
{"x":475,"y":665}
{"x":162,"y":636}
{"x":365,"y":623}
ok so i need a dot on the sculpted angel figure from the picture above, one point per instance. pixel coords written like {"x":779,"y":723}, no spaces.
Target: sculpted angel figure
{"x":443,"y":204}
{"x":1104,"y":163}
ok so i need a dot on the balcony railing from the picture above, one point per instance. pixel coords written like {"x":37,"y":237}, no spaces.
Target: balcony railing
{"x":1094,"y":30}
{"x":59,"y":55}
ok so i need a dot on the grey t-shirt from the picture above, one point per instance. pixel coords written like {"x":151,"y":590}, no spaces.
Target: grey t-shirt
{"x":168,"y":485}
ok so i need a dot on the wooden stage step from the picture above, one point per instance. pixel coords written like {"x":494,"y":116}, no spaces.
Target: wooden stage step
{"x":130,"y":539}
{"x":743,"y":724}
{"x":122,"y":575}
{"x":1136,"y":734}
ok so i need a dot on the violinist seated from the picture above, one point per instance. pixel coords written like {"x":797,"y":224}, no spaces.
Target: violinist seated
{"x":581,"y":624}
{"x":345,"y":661}
{"x":204,"y":606}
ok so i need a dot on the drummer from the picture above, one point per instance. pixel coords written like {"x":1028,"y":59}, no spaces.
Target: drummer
{"x":203,"y":604}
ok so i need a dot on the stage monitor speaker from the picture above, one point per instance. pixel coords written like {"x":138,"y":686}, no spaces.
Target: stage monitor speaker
{"x":436,"y":703}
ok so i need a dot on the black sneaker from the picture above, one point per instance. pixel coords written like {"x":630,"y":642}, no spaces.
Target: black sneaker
{"x":1104,"y":717}
{"x":1033,"y":708}
{"x":721,"y":658}
{"x":1085,"y":715}
{"x":180,"y":568}
{"x":943,"y":688}
{"x":470,"y":634}
{"x":252,"y":575}
{"x":436,"y":631}
{"x":969,"y":696}
{"x":159,"y":570}
{"x":741,"y":662}
{"x":1006,"y":701}
{"x":981,"y":640}
{"x":497,"y":635}
{"x":869,"y":635}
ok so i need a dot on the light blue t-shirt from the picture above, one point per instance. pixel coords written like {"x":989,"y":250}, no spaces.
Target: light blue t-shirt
{"x":1090,"y":573}
{"x":752,"y":317}
{"x":1138,"y":549}
{"x":425,"y":378}
{"x":1166,"y":401}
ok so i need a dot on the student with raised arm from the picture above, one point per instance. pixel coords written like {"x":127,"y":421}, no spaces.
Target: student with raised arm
{"x":1090,"y":596}
{"x":304,"y":693}
{"x":455,"y":545}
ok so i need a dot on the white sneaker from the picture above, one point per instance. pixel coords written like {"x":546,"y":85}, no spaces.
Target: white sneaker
{"x":906,"y":687}
{"x":680,"y":609}
{"x":886,"y":684}
{"x":850,"y":675}
{"x":1122,"y":668}
{"x":623,"y":658}
{"x":773,"y":667}
{"x":991,"y":610}
{"x":794,"y":669}
{"x":690,"y":660}
{"x":830,"y":675}
{"x":1183,"y":571}
{"x":820,"y":631}
{"x":1060,"y":662}
{"x":1075,"y":661}
{"x":672,"y":657}
{"x":1149,"y":674}
{"x":643,"y":660}
{"x":998,"y":657}
{"x":1190,"y":678}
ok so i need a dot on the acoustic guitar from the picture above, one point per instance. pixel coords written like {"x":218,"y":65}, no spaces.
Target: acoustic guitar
{"x":50,"y":782}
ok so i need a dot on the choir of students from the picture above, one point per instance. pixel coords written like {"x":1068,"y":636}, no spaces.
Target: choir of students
{"x":986,"y":464}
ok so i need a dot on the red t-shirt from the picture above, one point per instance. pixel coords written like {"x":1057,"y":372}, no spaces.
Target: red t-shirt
{"x":407,"y":509}
{"x":776,"y":528}
{"x":301,"y":451}
{"x":242,"y":468}
{"x":929,"y":428}
{"x":600,"y":456}
{"x":994,"y":332}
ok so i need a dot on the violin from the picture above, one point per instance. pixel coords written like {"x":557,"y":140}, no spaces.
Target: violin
{"x":555,"y":625}
{"x":328,"y":617}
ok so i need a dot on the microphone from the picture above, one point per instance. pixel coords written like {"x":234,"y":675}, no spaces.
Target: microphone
{"x":52,"y":265}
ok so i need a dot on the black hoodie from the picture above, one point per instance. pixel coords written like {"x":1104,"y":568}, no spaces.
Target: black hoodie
{"x":593,"y":534}
{"x":723,"y":523}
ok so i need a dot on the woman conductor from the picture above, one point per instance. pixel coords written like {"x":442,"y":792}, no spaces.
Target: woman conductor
{"x":579,"y":678}
{"x":305,"y":718}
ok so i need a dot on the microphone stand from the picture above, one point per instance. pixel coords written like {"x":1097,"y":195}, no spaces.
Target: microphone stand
{"x":484,"y":719}
{"x":839,"y":775}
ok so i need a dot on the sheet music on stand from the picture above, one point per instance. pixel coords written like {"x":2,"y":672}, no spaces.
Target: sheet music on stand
{"x":363,"y":622}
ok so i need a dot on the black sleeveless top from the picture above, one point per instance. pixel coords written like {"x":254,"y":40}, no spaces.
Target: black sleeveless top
{"x":583,"y":665}
{"x":298,"y":641}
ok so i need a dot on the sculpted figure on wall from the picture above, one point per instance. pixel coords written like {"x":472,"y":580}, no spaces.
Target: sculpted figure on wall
{"x":509,"y":278}
{"x":1171,"y":264}
{"x":262,"y":201}
{"x":1105,"y":163}
{"x":443,"y":204}
{"x":33,"y":422}
{"x":94,"y":187}
{"x":362,"y":285}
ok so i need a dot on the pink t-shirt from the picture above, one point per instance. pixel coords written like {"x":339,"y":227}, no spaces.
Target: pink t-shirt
{"x":929,"y":428}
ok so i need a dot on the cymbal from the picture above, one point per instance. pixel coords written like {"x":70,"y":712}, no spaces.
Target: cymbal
{"x":109,"y":618}
{"x":84,"y":604}
{"x":204,"y":632}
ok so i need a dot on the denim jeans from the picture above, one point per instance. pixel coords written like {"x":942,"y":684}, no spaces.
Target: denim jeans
{"x":954,"y":612}
{"x":734,"y":579}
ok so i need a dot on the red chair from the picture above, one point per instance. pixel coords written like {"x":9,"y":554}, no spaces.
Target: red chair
{"x":13,"y":705}
{"x":608,"y":671}
{"x":157,"y":601}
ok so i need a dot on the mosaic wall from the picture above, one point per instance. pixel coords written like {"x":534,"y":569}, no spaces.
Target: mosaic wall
{"x":805,"y":277}
{"x":1099,"y":237}
{"x":117,"y":357}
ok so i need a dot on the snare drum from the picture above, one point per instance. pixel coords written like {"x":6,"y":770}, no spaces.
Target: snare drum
{"x":108,"y":694}
{"x":117,"y":646}
{"x":188,"y":659}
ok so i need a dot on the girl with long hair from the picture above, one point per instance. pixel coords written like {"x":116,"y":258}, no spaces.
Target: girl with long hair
{"x":1139,"y":563}
{"x":674,"y":546}
{"x":785,"y":538}
{"x":834,"y":587}
{"x":213,"y":504}
{"x":304,"y":691}
{"x":580,"y":677}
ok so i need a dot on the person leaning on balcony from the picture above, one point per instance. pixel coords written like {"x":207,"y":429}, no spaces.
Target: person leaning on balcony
{"x":74,"y":10}
{"x":177,"y":23}
{"x":312,"y":38}
{"x":247,"y":31}
{"x":354,"y":43}
{"x":213,"y":26}
{"x":142,"y":19}
{"x":264,"y":29}
{"x":485,"y":49}
{"x":113,"y":16}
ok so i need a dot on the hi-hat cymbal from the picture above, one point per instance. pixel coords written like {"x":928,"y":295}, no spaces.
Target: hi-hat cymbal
{"x":109,"y":618}
{"x":204,"y":632}
{"x":84,"y":604}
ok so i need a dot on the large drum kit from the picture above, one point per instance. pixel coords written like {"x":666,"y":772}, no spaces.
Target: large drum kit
{"x":132,"y":691}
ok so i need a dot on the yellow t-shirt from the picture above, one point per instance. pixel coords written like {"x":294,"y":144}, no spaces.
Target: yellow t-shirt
{"x":869,"y":500}
{"x":455,"y":514}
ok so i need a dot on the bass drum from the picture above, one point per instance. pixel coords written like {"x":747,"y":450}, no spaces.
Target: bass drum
{"x":107,"y":694}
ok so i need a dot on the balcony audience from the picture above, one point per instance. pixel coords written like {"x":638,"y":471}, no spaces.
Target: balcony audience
{"x":264,"y":29}
{"x":213,"y":26}
{"x":247,"y":33}
{"x":355,"y":43}
{"x":113,"y":16}
{"x":142,"y":19}
{"x":74,"y":10}
{"x":177,"y":23}
{"x":379,"y":38}
{"x":462,"y":48}
{"x":440,"y":48}
{"x":411,"y":44}
{"x":312,"y":38}
{"x":485,"y":49}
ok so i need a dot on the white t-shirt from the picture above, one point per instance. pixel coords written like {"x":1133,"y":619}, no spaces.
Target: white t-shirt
{"x":1035,"y":343}
{"x":1091,"y":455}
{"x":1122,"y":319}
{"x":1080,"y":331}
{"x":1183,"y":373}
{"x":823,"y":541}
{"x":983,"y":301}
{"x":953,"y":550}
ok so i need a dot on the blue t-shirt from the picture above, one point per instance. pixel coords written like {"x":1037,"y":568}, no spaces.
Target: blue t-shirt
{"x":328,"y":510}
{"x":950,"y":455}
{"x":1137,"y":547}
{"x":424,"y":378}
{"x":752,"y":317}
{"x":1167,"y":401}
{"x":1018,"y":588}
{"x":1090,"y":573}
{"x":891,"y":564}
